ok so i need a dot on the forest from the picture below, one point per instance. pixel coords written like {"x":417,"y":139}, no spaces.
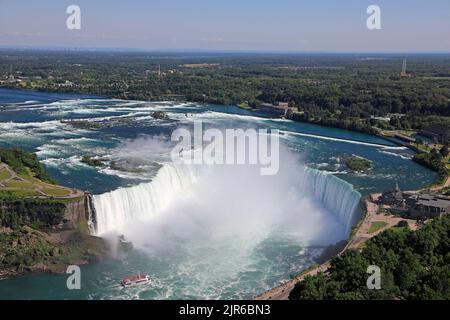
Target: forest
{"x":341,"y":90}
{"x":24,"y":163}
{"x":414,"y":265}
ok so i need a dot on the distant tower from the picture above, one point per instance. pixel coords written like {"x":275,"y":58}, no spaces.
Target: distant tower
{"x":159,"y":70}
{"x":403,"y":72}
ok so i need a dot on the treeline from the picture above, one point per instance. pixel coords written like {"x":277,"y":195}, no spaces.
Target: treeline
{"x":24,"y":248}
{"x":326,"y":119}
{"x":414,"y":265}
{"x":331,"y":89}
{"x":15,"y":212}
{"x":24,"y":163}
{"x":435,"y":160}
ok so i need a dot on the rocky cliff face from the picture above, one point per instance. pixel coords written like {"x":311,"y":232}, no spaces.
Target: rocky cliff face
{"x":40,"y":231}
{"x":80,"y":214}
{"x":74,"y":214}
{"x":27,"y":244}
{"x":66,"y":214}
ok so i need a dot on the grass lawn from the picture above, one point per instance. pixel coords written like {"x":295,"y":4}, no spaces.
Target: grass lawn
{"x":14,"y":183}
{"x":4,"y":174}
{"x":56,"y":191}
{"x":377,"y":225}
{"x":400,"y":229}
{"x":18,"y":192}
{"x":26,"y":185}
{"x":31,"y":186}
{"x":38,"y":182}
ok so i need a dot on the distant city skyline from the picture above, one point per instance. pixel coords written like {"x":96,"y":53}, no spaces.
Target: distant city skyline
{"x":407,"y":26}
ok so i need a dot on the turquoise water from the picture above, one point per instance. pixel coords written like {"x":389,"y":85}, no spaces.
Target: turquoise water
{"x":190,"y":263}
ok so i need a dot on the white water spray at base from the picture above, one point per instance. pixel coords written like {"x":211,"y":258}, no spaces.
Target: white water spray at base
{"x":116,"y":208}
{"x":144,"y":202}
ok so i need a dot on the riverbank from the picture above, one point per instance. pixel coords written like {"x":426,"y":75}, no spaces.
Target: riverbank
{"x":372,"y":224}
{"x":44,"y":227}
{"x":62,"y":159}
{"x":361,"y":234}
{"x":27,"y":250}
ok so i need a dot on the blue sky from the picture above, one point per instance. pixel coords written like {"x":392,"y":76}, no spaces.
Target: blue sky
{"x":247,"y":25}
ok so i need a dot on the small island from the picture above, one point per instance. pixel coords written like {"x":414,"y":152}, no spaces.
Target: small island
{"x":82,"y":124}
{"x":113,"y":165}
{"x":160,"y":115}
{"x":358,"y":164}
{"x":92,"y":162}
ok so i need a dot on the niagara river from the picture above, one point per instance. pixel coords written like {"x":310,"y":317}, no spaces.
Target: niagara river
{"x":200,"y":232}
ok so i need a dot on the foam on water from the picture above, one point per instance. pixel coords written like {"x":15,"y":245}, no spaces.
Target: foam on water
{"x":200,"y":232}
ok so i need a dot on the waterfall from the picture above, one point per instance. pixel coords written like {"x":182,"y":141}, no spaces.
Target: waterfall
{"x":116,"y":208}
{"x":335,"y":195}
{"x":92,"y":214}
{"x":144,"y":201}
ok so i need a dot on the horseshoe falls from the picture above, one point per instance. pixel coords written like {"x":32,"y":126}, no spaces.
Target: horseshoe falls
{"x":335,"y":194}
{"x":200,"y":232}
{"x":147,"y":200}
{"x":142,"y":202}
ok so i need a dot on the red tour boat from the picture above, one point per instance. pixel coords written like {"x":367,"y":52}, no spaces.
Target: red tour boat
{"x":135,"y":280}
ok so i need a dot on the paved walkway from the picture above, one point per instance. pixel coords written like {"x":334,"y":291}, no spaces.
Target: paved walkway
{"x":282,"y":291}
{"x":73,"y":193}
{"x":372,"y":215}
{"x":445,"y":185}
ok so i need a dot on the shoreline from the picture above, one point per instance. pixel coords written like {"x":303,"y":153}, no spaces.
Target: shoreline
{"x":253,"y":110}
{"x":358,"y":236}
{"x":95,"y":96}
{"x":321,"y":267}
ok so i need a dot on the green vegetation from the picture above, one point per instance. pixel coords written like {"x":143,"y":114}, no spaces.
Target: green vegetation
{"x":24,"y":163}
{"x":160,"y":115}
{"x":402,"y":224}
{"x":6,"y":193}
{"x":114,"y":166}
{"x":4,"y":174}
{"x":19,"y":184}
{"x":377,"y":225}
{"x":435,"y":161}
{"x":358,"y":164}
{"x":29,"y":220}
{"x":58,"y":192}
{"x":83,"y":124}
{"x":335,"y":90}
{"x":414,"y":265}
{"x":92,"y":162}
{"x":15,"y":210}
{"x":23,"y":248}
{"x":330,"y":251}
{"x":30,"y":242}
{"x":22,"y":197}
{"x":26,"y":249}
{"x":27,"y":182}
{"x":244,"y":105}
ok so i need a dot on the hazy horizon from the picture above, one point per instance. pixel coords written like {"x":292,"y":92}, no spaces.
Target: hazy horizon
{"x":283,"y":26}
{"x":213,"y":51}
